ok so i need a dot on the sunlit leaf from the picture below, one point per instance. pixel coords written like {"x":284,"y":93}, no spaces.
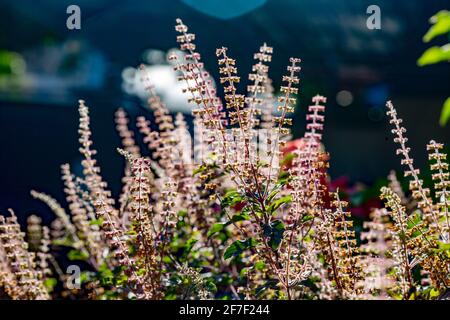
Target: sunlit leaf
{"x":434,"y":55}
{"x":278,"y":203}
{"x":50,"y":284}
{"x":199,"y":169}
{"x":445,"y":113}
{"x":96,"y":222}
{"x":217,"y":227}
{"x":441,"y":25}
{"x":77,"y":255}
{"x":259,"y":265}
{"x":231,"y":198}
{"x":240,"y":217}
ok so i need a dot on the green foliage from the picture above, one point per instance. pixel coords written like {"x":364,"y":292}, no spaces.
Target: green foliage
{"x":216,"y":228}
{"x":269,"y":284}
{"x":260,"y":265}
{"x":210,"y":285}
{"x":9,"y":63}
{"x":188,"y":247}
{"x":275,"y":205}
{"x":287,"y":159}
{"x":50,"y":284}
{"x":231,"y":198}
{"x":181,"y":239}
{"x":274,"y":231}
{"x":64,"y":242}
{"x":77,"y":255}
{"x":434,"y":55}
{"x":240,"y":217}
{"x":430,"y":293}
{"x":445,"y":113}
{"x":444,"y":247}
{"x":96,"y":222}
{"x":239,"y":246}
{"x":440,"y":26}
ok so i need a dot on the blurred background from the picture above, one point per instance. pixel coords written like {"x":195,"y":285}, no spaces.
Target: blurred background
{"x":45,"y":68}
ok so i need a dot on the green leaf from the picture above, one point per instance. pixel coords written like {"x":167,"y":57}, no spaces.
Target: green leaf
{"x":441,"y":25}
{"x":274,"y":231}
{"x":50,"y":284}
{"x":288,"y":158}
{"x":259,"y":265}
{"x":239,"y":246}
{"x":96,"y":222}
{"x":170,"y":296}
{"x":231,"y":193}
{"x":284,"y":177}
{"x":217,"y":227}
{"x":270,"y":284}
{"x":231,"y":198}
{"x":434,"y":293}
{"x":86,"y":276}
{"x":121,"y":280}
{"x":77,"y":255}
{"x":434,"y":55}
{"x":280,"y":183}
{"x":240,"y":217}
{"x":443,"y":246}
{"x":64,"y":242}
{"x":244,"y":272}
{"x":210,"y":285}
{"x":199,"y":170}
{"x":278,"y":203}
{"x":188,"y":246}
{"x":445,"y":113}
